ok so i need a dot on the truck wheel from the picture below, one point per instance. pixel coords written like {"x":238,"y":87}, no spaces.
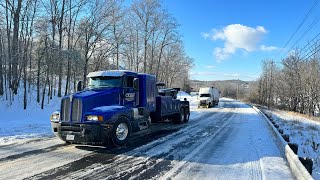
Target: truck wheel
{"x":178,"y":118}
{"x":186,"y":115}
{"x":121,"y":131}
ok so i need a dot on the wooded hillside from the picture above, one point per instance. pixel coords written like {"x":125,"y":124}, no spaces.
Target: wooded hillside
{"x":51,"y":44}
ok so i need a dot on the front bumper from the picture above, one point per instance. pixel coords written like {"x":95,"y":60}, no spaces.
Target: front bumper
{"x":82,"y":133}
{"x":203,"y":103}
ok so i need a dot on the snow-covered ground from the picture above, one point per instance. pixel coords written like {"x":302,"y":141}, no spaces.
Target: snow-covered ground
{"x":192,"y":99}
{"x":229,"y":141}
{"x":244,"y":149}
{"x":17,"y":123}
{"x":304,"y":132}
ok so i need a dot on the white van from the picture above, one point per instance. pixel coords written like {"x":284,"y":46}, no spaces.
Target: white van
{"x":208,"y":97}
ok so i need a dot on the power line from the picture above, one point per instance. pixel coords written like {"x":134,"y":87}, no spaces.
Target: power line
{"x":304,"y":33}
{"x":298,"y":28}
{"x":303,"y":51}
{"x":313,"y":52}
{"x":307,"y":52}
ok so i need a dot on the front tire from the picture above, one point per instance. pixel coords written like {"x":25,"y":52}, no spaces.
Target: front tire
{"x":121,"y":132}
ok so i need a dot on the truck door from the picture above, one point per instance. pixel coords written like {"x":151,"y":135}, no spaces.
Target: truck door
{"x":128,"y":91}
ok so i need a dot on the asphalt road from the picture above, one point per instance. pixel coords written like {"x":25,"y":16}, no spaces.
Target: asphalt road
{"x":229,"y":141}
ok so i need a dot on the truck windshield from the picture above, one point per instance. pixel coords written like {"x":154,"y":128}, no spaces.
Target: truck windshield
{"x":204,"y":95}
{"x":104,"y":81}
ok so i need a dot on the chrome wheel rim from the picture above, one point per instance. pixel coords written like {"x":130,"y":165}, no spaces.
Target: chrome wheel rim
{"x":122,"y":131}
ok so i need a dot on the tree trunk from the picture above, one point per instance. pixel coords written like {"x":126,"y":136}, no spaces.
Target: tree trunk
{"x":15,"y":43}
{"x":1,"y":64}
{"x":25,"y":84}
{"x":69,"y":48}
{"x":44,"y":89}
{"x":60,"y":49}
{"x":85,"y":71}
{"x":145,"y":55}
{"x":68,"y":78}
{"x":38,"y":80}
{"x":8,"y":27}
{"x":30,"y":79}
{"x":137,"y":53}
{"x":52,"y":87}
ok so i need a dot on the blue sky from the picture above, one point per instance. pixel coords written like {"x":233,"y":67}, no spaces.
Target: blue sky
{"x":228,"y":39}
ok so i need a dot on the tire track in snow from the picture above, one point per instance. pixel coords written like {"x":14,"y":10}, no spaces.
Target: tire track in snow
{"x":179,"y":165}
{"x":152,"y":157}
{"x":145,"y":158}
{"x":23,"y":148}
{"x":84,"y":162}
{"x":245,"y":150}
{"x":89,"y":162}
{"x":30,"y":165}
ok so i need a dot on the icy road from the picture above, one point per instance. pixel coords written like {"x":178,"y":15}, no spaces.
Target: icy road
{"x":229,"y":141}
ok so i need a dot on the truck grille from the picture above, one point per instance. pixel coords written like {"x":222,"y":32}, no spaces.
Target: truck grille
{"x":203,"y":102}
{"x":76,"y":110}
{"x":65,"y":110}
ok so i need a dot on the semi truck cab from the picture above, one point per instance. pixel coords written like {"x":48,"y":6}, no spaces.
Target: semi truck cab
{"x":112,"y":106}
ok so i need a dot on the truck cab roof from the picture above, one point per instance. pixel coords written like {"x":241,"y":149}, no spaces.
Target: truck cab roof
{"x":114,"y":73}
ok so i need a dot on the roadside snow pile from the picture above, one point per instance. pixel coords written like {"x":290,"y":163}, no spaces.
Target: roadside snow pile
{"x":192,"y":99}
{"x":17,"y":123}
{"x":304,"y":132}
{"x":183,"y":94}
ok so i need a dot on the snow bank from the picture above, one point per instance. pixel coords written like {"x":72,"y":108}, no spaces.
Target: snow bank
{"x":296,"y":166}
{"x":17,"y":123}
{"x":192,"y":99}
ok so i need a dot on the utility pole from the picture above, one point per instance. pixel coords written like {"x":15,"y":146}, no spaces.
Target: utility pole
{"x":271,"y":84}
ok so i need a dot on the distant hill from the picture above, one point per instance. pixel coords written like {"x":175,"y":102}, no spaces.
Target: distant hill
{"x":196,"y":84}
{"x":228,"y":88}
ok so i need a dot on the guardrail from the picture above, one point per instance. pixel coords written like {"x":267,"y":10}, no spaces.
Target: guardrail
{"x":297,"y":168}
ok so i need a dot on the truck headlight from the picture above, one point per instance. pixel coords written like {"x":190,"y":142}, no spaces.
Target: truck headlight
{"x":94,"y":118}
{"x":55,"y":116}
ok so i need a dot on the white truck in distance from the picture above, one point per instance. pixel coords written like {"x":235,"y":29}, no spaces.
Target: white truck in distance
{"x":208,"y":97}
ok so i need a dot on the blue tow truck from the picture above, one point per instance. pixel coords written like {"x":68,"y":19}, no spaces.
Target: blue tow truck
{"x":114,"y":105}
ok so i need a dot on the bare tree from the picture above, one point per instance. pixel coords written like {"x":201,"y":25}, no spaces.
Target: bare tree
{"x":1,"y":64}
{"x":73,"y":11}
{"x":92,"y":29}
{"x":39,"y":37}
{"x":146,"y":11}
{"x":15,"y":51}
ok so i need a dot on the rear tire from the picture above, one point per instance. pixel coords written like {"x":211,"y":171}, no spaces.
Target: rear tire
{"x":121,"y":132}
{"x":178,"y":118}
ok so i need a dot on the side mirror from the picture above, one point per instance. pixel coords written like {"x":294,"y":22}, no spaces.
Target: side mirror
{"x":79,"y":86}
{"x":136,"y":84}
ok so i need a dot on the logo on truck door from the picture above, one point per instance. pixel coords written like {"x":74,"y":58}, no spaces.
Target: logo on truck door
{"x":129,"y":96}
